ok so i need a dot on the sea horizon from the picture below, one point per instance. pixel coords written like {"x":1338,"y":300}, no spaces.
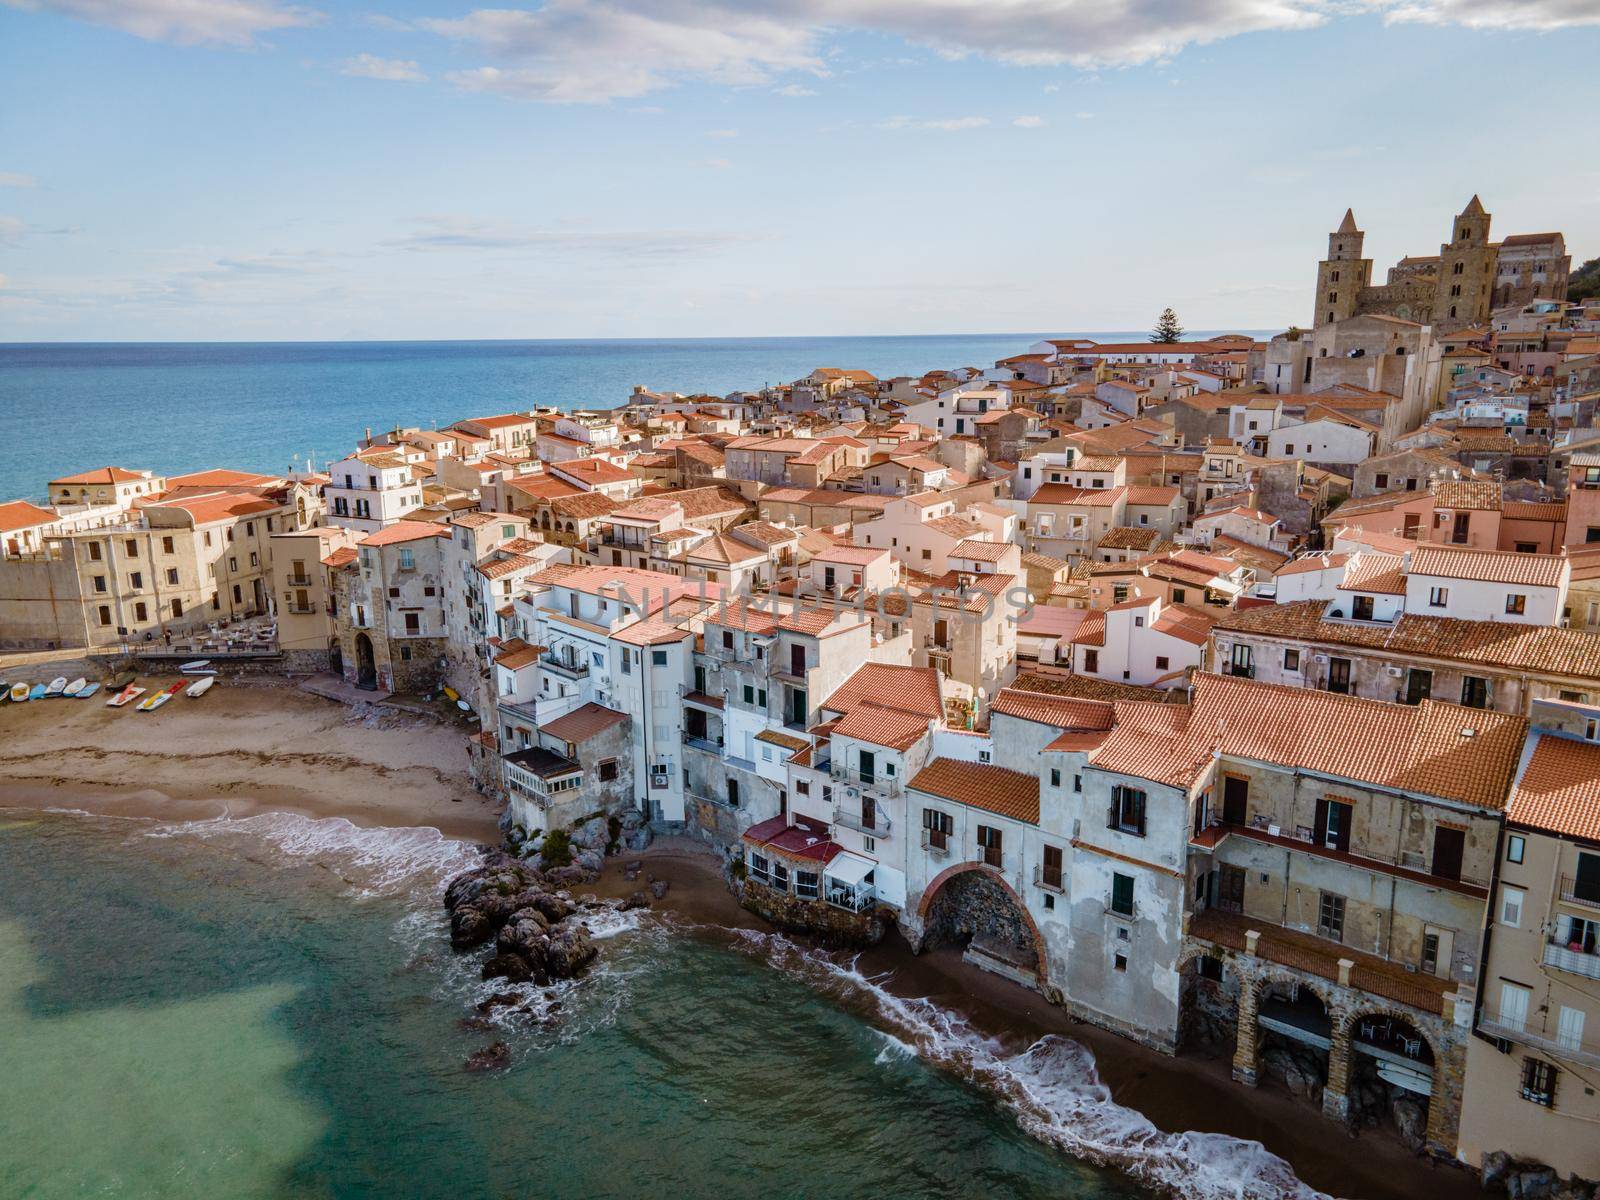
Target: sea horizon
{"x":275,"y":406}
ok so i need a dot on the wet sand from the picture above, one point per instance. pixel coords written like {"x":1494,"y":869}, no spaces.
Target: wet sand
{"x":239,"y":750}
{"x":1191,"y":1092}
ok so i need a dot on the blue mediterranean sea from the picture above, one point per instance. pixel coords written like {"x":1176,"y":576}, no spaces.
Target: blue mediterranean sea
{"x":268,"y":406}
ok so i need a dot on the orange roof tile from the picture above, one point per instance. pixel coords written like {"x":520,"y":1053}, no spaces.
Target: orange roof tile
{"x":980,"y":785}
{"x":1559,"y":788}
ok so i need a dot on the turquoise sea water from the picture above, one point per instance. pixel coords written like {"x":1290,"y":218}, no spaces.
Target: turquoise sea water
{"x":269,"y":1009}
{"x":172,"y":407}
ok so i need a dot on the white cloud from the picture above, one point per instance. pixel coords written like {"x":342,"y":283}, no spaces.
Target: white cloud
{"x":17,"y":179}
{"x":793,"y":91}
{"x":717,"y":164}
{"x":456,"y":232}
{"x":187,"y":22}
{"x":951,"y":125}
{"x":722,"y":133}
{"x":1028,"y":122}
{"x":1540,"y":15}
{"x":1051,"y":87}
{"x":370,"y":66}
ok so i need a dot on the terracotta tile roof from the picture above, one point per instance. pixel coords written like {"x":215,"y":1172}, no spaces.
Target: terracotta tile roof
{"x":1559,"y":788}
{"x":1383,"y":574}
{"x":593,"y":471}
{"x":1185,"y":623}
{"x":910,"y":689}
{"x":960,"y":528}
{"x":1086,"y":687}
{"x":804,"y":841}
{"x":1466,"y":494}
{"x":1159,"y":496}
{"x":1438,"y":749}
{"x":882,"y":726}
{"x":498,"y":568}
{"x":981,"y":551}
{"x":1125,"y":537}
{"x":581,"y":724}
{"x":1091,"y":630}
{"x":100,"y":475}
{"x":19,"y":514}
{"x":1488,"y":566}
{"x":1062,"y":493}
{"x":859,"y":555}
{"x":516,"y":654}
{"x":543,"y":487}
{"x":542,"y":762}
{"x":980,"y":785}
{"x":724,"y":551}
{"x":787,"y":740}
{"x":499,"y":421}
{"x":404,"y":531}
{"x":1063,"y":712}
{"x":341,"y":556}
{"x":1528,"y":510}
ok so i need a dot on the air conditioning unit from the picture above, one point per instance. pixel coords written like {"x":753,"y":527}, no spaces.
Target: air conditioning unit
{"x":852,"y":793}
{"x":1397,"y":671}
{"x":1321,"y":658}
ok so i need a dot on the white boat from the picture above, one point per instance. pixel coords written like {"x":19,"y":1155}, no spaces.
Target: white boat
{"x":86,"y":691}
{"x":19,"y":693}
{"x":154,"y":701}
{"x":195,"y":667}
{"x":199,"y":687}
{"x":76,"y":686}
{"x":125,"y":696}
{"x":56,"y":686}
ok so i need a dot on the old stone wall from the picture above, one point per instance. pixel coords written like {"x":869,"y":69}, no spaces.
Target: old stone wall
{"x":829,"y":925}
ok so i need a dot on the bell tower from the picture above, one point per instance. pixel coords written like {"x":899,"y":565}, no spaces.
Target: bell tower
{"x":1466,"y":270}
{"x":1342,"y":275}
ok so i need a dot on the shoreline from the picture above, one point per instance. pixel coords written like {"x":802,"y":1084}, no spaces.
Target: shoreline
{"x":224,"y":757}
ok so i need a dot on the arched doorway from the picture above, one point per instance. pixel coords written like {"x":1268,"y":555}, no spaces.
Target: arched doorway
{"x":971,"y":906}
{"x":1392,"y":1077}
{"x":1296,"y":1034}
{"x":366,"y":665}
{"x":336,"y":658}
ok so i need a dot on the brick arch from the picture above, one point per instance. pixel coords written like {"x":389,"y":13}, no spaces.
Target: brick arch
{"x":1321,"y":990}
{"x":931,"y":892}
{"x":1357,"y":1011}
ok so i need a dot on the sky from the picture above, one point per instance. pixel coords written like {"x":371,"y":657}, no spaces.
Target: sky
{"x":177,"y":170}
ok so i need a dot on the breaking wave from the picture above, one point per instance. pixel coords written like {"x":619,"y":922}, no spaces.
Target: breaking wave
{"x":1052,"y":1087}
{"x":372,"y":861}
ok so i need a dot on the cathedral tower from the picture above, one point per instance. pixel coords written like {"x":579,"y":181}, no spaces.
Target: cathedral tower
{"x":1466,"y":271}
{"x":1342,"y":275}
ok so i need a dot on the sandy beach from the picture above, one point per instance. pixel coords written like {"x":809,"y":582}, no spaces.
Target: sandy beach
{"x":239,"y":750}
{"x":247,"y":749}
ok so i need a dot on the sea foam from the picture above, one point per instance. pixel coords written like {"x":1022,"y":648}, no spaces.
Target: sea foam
{"x":1052,"y":1087}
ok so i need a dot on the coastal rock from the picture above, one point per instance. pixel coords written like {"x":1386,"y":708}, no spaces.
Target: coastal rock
{"x":462,"y":890}
{"x":469,"y":927}
{"x":553,"y":907}
{"x":1495,"y":1165}
{"x":658,"y":888}
{"x":512,"y":967}
{"x":569,"y":952}
{"x":637,"y":900}
{"x":491,"y":1058}
{"x":636,"y":839}
{"x":590,"y":860}
{"x":499,"y":1000}
{"x":1411,"y":1119}
{"x":593,"y":834}
{"x":519,"y":936}
{"x":569,"y":876}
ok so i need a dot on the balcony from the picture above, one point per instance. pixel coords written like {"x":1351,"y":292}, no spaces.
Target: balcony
{"x":1515,"y":1030}
{"x":852,"y":818}
{"x":299,"y":581}
{"x":709,"y":745}
{"x":857,"y":899}
{"x":1574,"y":892}
{"x":936,"y":849}
{"x":569,"y":670}
{"x":1573,"y":962}
{"x":1050,"y":881}
{"x":877,"y":781}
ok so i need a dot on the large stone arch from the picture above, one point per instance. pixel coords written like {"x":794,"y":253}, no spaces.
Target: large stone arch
{"x":1444,"y":1100}
{"x":990,"y":877}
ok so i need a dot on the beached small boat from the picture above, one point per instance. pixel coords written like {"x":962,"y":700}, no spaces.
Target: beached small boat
{"x":195,"y":667}
{"x":37,"y":691}
{"x":451,"y":694}
{"x":200,"y":687}
{"x":19,"y":692}
{"x":121,"y":680}
{"x":156,"y":700}
{"x":463,"y":706}
{"x":86,"y":691}
{"x":125,"y":696}
{"x":76,"y":686}
{"x":56,"y":686}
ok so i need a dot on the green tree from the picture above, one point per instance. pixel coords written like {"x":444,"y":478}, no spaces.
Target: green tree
{"x":1584,"y":283}
{"x":1167,"y":328}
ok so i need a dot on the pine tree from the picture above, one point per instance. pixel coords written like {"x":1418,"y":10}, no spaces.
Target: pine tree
{"x":1167,"y":328}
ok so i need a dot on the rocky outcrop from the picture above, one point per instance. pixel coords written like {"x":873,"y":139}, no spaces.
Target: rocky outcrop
{"x":534,"y":924}
{"x":491,"y":1058}
{"x":1532,"y":1181}
{"x":828,"y":925}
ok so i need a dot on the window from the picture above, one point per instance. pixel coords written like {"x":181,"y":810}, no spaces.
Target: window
{"x":1333,"y":820}
{"x":1242,"y":662}
{"x":413,"y":623}
{"x":140,"y":612}
{"x":658,"y":658}
{"x":1127,"y":810}
{"x":1511,"y":899}
{"x":1050,"y":873}
{"x":1516,"y":604}
{"x":1438,"y":597}
{"x":1516,"y":848}
{"x":727,"y":639}
{"x":1362,"y":608}
{"x":1569,"y":1029}
{"x":99,"y":583}
{"x":1055,"y":776}
{"x":1430,"y":954}
{"x":1162,"y":662}
{"x":1330,"y":917}
{"x":1122,"y":894}
{"x":233,"y":564}
{"x":172,"y":575}
{"x":105,"y":614}
{"x":1474,"y":691}
{"x":1091,"y":661}
{"x":1381,"y":481}
{"x":1291,"y":660}
{"x":991,"y":844}
{"x":166,"y":545}
{"x":1077,"y":783}
{"x":1539,"y":1082}
{"x":94,"y":548}
{"x":937,"y":827}
{"x":136,"y":580}
{"x":408,"y":559}
{"x":132,"y":547}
